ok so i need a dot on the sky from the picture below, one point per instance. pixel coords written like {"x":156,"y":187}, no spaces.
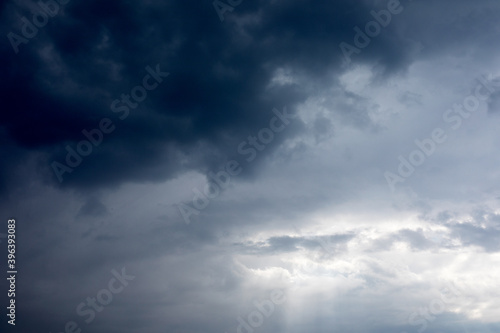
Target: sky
{"x":251,"y":166}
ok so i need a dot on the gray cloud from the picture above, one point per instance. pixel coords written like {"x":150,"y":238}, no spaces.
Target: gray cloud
{"x":312,"y":215}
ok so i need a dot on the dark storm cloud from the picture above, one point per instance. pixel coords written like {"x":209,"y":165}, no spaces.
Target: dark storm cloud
{"x":65,"y":79}
{"x":221,"y":88}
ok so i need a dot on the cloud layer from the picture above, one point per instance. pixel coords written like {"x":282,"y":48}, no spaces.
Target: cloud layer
{"x":171,"y":99}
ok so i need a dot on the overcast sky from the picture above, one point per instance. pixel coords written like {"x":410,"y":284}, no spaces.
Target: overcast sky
{"x":252,"y":166}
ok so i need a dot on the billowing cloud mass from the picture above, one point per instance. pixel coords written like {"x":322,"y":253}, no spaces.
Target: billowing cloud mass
{"x":251,"y":166}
